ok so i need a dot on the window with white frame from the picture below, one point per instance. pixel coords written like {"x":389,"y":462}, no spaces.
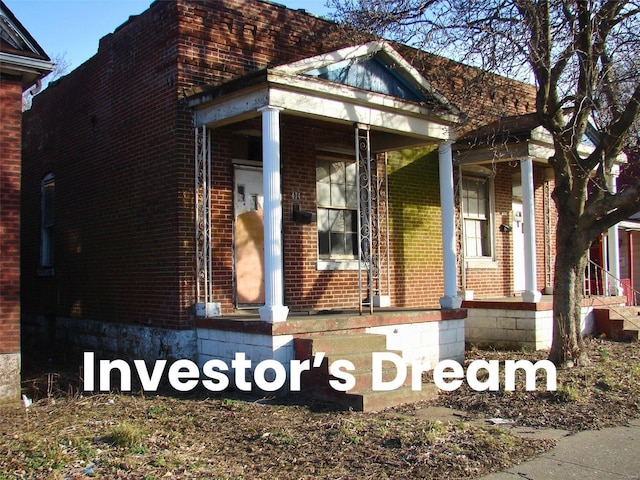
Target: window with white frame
{"x":476,"y":191}
{"x":336,"y":197}
{"x":48,"y":190}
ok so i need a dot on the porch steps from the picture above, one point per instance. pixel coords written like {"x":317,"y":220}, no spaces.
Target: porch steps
{"x":618,"y":323}
{"x":358,"y":349}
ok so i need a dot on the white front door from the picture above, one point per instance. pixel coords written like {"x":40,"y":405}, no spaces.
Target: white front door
{"x":248,"y":236}
{"x":518,"y":260}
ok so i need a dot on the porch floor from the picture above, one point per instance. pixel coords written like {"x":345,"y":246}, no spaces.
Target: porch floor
{"x":325,"y":321}
{"x":545,"y":303}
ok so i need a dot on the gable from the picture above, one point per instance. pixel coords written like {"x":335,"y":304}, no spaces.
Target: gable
{"x":373,"y":74}
{"x":20,"y":54}
{"x":373,"y":67}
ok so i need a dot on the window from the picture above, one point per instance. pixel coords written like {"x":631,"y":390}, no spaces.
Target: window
{"x":476,"y":211}
{"x":48,"y":217}
{"x":336,"y":196}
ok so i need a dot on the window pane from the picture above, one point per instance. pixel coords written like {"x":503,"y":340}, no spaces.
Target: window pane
{"x":338,"y":198}
{"x":336,"y":220}
{"x":338,"y":172}
{"x":337,"y":244}
{"x":351,"y":173}
{"x":322,"y":171}
{"x":323,"y":192}
{"x":352,"y":196}
{"x":351,"y":244}
{"x":323,"y":220}
{"x":323,"y":244}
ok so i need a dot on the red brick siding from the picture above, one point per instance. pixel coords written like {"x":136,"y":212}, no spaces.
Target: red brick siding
{"x":121,"y":148}
{"x":119,"y":139}
{"x":10,"y":142}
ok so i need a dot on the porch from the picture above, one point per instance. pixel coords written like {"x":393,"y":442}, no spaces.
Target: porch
{"x":420,"y":334}
{"x":412,"y":337}
{"x":510,"y":322}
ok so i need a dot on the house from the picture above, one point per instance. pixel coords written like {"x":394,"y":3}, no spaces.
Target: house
{"x":235,"y":176}
{"x":22,"y":64}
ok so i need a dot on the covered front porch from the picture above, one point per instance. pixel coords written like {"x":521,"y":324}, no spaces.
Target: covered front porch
{"x":333,"y":234}
{"x":309,"y":234}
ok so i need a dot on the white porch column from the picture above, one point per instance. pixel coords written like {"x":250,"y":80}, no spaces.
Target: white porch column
{"x":613,"y":241}
{"x":273,"y":309}
{"x":450,"y":299}
{"x":531,"y":293}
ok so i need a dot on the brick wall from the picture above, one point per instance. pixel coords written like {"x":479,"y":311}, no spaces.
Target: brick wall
{"x":10,"y":140}
{"x":121,"y":148}
{"x":119,"y":140}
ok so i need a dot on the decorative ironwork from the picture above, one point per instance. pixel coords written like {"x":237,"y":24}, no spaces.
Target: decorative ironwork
{"x":203,"y":215}
{"x":373,"y":223}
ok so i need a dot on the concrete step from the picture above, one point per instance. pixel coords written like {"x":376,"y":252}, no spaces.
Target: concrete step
{"x":340,"y":345}
{"x":618,"y":323}
{"x":625,"y":312}
{"x":370,"y":401}
{"x":357,"y":348}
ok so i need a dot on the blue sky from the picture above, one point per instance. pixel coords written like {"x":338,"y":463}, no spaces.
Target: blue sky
{"x":73,"y":28}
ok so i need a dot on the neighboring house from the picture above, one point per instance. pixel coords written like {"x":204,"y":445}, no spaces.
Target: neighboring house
{"x":235,"y":175}
{"x":629,"y":234}
{"x":22,"y":64}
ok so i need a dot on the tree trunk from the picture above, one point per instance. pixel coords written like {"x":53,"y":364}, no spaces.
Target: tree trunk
{"x":571,"y":259}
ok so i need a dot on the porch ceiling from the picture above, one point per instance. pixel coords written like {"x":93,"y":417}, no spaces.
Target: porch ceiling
{"x":398,"y":123}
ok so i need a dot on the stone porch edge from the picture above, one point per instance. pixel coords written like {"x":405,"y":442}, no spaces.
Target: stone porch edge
{"x":328,"y":322}
{"x":544,"y":305}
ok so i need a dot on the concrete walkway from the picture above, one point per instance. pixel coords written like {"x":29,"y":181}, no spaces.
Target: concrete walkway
{"x":610,"y":453}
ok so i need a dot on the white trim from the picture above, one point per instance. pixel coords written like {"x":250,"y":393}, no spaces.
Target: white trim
{"x":481,"y":263}
{"x":359,"y":51}
{"x":325,"y":265}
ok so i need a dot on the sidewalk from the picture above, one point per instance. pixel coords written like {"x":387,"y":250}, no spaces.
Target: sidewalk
{"x":610,"y":453}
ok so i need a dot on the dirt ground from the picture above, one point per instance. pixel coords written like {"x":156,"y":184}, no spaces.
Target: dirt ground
{"x":461,"y":434}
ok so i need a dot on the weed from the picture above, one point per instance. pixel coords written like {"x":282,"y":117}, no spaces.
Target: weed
{"x":567,"y":393}
{"x":125,"y":435}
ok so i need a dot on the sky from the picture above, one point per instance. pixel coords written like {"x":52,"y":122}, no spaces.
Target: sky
{"x":72,"y":29}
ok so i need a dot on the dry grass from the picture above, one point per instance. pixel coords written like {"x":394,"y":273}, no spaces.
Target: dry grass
{"x":134,"y":436}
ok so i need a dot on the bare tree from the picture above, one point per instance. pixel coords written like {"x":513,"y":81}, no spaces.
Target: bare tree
{"x":61,"y":68}
{"x":583,"y":56}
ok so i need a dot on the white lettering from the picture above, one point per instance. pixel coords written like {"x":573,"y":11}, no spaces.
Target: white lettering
{"x":377,"y":383}
{"x":150,"y":384}
{"x":219,"y":381}
{"x":239,"y":365}
{"x":87,"y":368}
{"x":510,"y":367}
{"x":348,"y":380}
{"x":296,"y":368}
{"x":184,"y":370}
{"x":439,"y":375}
{"x":105,"y":369}
{"x":260,"y":377}
{"x":492,"y":383}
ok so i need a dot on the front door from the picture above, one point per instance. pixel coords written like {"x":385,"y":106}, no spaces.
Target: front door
{"x":248,"y":236}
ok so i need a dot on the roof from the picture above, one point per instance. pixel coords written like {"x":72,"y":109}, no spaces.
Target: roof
{"x":20,"y":54}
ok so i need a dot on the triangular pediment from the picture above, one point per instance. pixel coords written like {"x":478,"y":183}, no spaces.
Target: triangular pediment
{"x":15,"y":38}
{"x":20,"y":54}
{"x":373,"y":67}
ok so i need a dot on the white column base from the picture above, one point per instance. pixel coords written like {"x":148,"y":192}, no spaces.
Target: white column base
{"x":531,"y":297}
{"x":274,"y":313}
{"x":450,"y":303}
